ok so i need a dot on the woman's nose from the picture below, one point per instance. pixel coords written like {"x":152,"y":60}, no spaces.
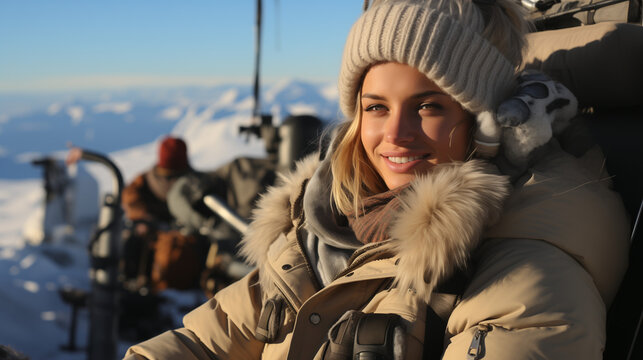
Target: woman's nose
{"x":399,"y":127}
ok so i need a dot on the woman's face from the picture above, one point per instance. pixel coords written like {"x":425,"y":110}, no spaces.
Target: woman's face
{"x":409,"y":124}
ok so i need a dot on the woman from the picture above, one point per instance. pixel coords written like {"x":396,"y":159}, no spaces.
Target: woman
{"x":398,"y":242}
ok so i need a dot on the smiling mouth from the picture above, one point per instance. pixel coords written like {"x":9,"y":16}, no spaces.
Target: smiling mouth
{"x":404,"y":159}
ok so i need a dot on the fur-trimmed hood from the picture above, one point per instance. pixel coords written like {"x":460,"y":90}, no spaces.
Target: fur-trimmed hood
{"x":443,"y":216}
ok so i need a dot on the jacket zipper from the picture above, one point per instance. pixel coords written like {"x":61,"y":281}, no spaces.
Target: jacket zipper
{"x":475,"y":351}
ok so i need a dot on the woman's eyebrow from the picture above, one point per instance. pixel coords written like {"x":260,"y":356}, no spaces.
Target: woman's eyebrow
{"x":428,"y":93}
{"x":418,"y":95}
{"x":372,"y":96}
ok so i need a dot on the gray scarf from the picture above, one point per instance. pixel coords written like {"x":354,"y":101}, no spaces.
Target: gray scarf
{"x":329,"y":241}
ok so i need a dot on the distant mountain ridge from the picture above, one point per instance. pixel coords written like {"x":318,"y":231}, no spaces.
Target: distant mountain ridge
{"x":114,"y":121}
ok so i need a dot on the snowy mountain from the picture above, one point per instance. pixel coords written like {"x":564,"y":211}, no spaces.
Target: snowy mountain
{"x":111,"y":121}
{"x":128,"y":124}
{"x":125,"y":125}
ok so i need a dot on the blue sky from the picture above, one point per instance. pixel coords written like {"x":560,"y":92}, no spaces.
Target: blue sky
{"x":48,"y":45}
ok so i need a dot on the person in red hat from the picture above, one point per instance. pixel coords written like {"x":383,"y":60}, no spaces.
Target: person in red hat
{"x":153,"y":239}
{"x":145,"y":198}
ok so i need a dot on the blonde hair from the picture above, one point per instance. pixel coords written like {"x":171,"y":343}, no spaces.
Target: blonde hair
{"x":353,"y":174}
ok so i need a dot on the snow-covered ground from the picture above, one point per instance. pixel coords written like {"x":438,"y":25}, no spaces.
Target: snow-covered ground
{"x":127,"y":127}
{"x":35,"y":318}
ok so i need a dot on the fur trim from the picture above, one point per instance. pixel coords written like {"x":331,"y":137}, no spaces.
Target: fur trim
{"x":442,"y":218}
{"x":272,"y":215}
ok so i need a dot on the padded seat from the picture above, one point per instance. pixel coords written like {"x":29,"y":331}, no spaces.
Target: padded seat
{"x":602,"y":65}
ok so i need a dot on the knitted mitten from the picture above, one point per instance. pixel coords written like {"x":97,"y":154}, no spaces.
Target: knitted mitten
{"x":540,"y":109}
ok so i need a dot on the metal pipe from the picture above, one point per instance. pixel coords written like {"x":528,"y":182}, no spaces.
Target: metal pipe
{"x":230,"y":216}
{"x":105,"y":252}
{"x":257,"y":107}
{"x":118,"y":184}
{"x":592,"y":6}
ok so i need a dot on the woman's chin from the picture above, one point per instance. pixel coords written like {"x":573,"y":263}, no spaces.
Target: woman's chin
{"x":395,"y":179}
{"x":398,"y":180}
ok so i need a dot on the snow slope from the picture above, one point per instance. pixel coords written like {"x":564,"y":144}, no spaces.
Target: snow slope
{"x":127,"y":126}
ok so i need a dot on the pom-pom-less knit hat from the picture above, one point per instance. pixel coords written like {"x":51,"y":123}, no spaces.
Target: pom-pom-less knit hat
{"x":173,"y":154}
{"x":440,"y":38}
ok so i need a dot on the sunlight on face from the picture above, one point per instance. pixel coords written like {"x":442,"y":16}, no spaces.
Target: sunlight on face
{"x":409,"y":124}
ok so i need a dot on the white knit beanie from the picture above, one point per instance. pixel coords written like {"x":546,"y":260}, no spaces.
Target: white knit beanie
{"x":440,"y":38}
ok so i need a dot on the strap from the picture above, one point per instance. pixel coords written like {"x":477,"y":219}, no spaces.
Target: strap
{"x":438,"y":311}
{"x":341,"y":337}
{"x":360,"y":336}
{"x":375,"y":337}
{"x":433,"y":335}
{"x":269,"y":320}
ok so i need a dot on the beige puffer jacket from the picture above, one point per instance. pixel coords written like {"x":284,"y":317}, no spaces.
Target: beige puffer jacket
{"x":542,"y":278}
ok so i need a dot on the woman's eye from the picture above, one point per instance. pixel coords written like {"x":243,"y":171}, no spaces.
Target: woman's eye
{"x":430,"y":106}
{"x":375,"y":107}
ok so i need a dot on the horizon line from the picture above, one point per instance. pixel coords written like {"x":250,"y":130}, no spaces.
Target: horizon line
{"x":67,"y":84}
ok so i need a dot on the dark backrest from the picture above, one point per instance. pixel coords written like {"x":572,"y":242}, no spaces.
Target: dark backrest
{"x":602,"y":65}
{"x":620,"y":135}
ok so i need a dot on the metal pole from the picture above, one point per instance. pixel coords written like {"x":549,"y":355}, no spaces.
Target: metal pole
{"x":227,"y":214}
{"x":105,"y":249}
{"x":236,"y":269}
{"x":591,"y":6}
{"x":257,"y":107}
{"x":636,"y":222}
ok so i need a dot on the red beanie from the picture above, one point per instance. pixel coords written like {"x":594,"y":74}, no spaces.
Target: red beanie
{"x":173,"y":154}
